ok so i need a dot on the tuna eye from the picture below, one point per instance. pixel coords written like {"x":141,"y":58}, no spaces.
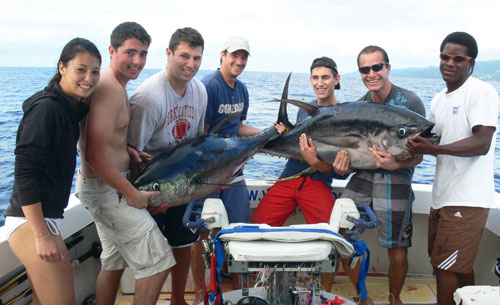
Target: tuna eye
{"x":401,"y":132}
{"x":156,"y":187}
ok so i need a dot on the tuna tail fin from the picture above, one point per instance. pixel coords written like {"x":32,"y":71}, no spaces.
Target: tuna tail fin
{"x":221,"y":123}
{"x":282,"y":114}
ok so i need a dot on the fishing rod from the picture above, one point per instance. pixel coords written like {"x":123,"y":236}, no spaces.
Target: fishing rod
{"x":21,"y":276}
{"x":28,"y":291}
{"x":95,"y":251}
{"x":16,"y":281}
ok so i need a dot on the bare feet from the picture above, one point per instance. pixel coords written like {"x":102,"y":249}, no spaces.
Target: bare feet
{"x":368,"y":301}
{"x":397,"y":302}
{"x":199,"y":296}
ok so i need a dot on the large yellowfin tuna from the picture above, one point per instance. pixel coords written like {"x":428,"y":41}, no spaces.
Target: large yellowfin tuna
{"x":353,"y":126}
{"x":200,"y":166}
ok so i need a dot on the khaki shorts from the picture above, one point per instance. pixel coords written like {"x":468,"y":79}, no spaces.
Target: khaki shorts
{"x":129,"y":236}
{"x":455,"y":233}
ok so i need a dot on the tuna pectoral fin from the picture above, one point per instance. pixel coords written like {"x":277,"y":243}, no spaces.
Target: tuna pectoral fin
{"x":238,"y":172}
{"x":221,"y":123}
{"x":328,"y":154}
{"x":308,"y":170}
{"x":328,"y":147}
{"x":338,"y":142}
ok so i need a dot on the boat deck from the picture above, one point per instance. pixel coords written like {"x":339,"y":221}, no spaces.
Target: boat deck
{"x":416,"y":290}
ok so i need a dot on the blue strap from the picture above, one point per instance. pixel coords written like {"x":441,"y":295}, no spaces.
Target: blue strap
{"x":193,"y":211}
{"x":362,"y":249}
{"x":256,"y":229}
{"x":219,"y":259}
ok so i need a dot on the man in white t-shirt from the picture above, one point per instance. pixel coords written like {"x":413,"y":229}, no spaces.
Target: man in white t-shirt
{"x":167,"y":109}
{"x":466,"y":116}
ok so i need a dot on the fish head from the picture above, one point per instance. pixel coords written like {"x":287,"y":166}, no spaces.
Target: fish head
{"x":162,"y":175}
{"x":408,"y":126}
{"x":171,"y":189}
{"x":157,"y":185}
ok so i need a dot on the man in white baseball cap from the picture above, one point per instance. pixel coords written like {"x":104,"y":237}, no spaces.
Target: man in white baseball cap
{"x":235,"y":43}
{"x":228,"y":96}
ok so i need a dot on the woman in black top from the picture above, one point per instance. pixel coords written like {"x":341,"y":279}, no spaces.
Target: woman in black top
{"x":44,"y":167}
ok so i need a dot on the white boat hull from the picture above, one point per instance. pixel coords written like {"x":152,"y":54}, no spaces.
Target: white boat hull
{"x":78,"y":222}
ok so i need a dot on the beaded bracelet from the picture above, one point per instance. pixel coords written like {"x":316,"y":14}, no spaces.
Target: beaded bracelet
{"x":43,"y":237}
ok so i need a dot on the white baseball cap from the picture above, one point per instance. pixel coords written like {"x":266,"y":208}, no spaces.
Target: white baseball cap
{"x":235,"y":43}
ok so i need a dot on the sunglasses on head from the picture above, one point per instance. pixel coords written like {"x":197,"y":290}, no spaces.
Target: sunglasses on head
{"x":455,"y":58}
{"x":375,"y":68}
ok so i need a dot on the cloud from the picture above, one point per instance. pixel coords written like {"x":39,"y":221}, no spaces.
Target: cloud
{"x":284,"y":35}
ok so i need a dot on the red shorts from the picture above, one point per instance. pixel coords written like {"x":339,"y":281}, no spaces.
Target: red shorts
{"x":313,"y":197}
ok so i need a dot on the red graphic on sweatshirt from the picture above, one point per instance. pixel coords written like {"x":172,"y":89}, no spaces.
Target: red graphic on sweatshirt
{"x":181,"y":128}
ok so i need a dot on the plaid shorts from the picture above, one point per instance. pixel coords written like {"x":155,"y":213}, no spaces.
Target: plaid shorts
{"x":391,"y":198}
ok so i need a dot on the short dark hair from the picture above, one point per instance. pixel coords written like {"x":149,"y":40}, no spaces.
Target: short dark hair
{"x":74,"y":47}
{"x":372,"y":49}
{"x":326,"y":62}
{"x":127,"y":30}
{"x":188,"y":35}
{"x":464,"y":39}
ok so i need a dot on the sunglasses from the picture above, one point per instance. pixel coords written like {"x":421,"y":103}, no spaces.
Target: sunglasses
{"x":455,"y":58}
{"x":375,"y":68}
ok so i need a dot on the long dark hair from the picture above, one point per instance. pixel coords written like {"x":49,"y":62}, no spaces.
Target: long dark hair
{"x":73,"y":48}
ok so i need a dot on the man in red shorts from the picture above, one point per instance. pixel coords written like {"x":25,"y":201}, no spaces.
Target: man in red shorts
{"x":312,"y":191}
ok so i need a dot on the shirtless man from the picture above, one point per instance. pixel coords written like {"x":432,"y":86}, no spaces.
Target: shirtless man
{"x":128,"y":233}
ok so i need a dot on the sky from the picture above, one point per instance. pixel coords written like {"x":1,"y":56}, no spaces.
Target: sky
{"x":284,"y":36}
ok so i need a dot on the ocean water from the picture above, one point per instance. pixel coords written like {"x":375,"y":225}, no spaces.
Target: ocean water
{"x":17,"y":84}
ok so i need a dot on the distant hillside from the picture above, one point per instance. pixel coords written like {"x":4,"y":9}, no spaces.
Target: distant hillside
{"x":485,"y":70}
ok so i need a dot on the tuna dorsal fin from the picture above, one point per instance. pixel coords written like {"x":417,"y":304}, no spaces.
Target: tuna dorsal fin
{"x":310,"y":109}
{"x":221,"y":123}
{"x":282,"y":114}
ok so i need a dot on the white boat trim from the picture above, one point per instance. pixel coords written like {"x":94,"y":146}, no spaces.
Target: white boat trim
{"x":76,"y":218}
{"x":422,"y":204}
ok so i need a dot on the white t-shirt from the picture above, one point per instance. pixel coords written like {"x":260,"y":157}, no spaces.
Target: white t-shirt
{"x":161,"y":118}
{"x":465,"y":181}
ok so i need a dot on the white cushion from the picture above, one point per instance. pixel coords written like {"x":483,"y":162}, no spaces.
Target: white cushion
{"x":292,"y":237}
{"x":270,"y":251}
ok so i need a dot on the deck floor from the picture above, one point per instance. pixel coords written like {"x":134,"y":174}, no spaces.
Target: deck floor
{"x":417,"y":290}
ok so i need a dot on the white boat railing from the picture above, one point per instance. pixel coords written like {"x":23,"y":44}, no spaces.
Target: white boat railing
{"x":76,"y":217}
